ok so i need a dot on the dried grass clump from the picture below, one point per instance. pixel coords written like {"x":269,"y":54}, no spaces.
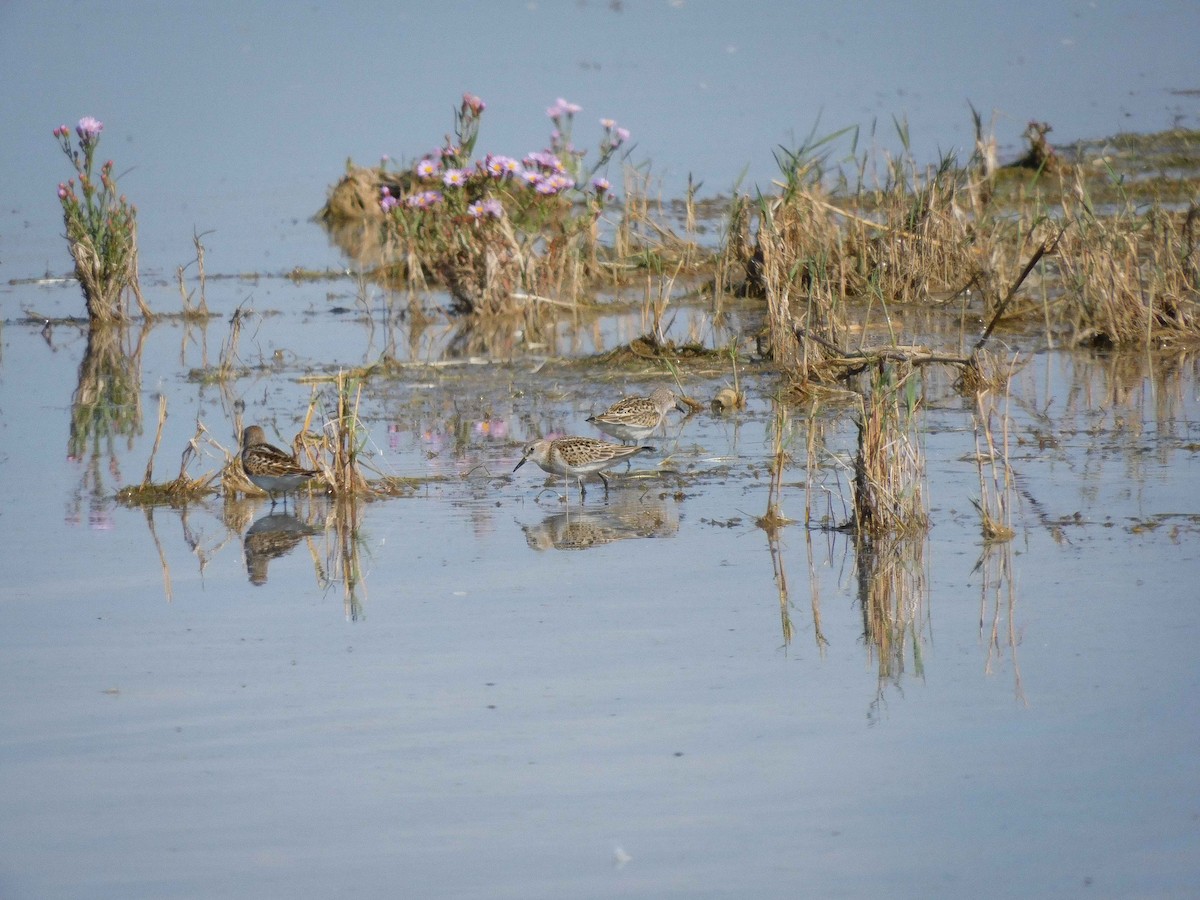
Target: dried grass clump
{"x":889,"y":466}
{"x":1040,"y":155}
{"x":101,"y":228}
{"x":181,"y":490}
{"x":1130,"y":278}
{"x":911,"y":240}
{"x":929,"y":236}
{"x":356,"y":195}
{"x":925,"y":244}
{"x":341,"y":442}
{"x":803,"y":274}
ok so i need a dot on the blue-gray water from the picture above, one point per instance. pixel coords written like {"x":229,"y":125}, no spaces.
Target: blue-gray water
{"x":233,"y":118}
{"x":636,"y":697}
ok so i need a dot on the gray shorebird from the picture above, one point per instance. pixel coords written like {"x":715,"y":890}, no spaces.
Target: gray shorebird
{"x":578,"y":457}
{"x":270,"y":468}
{"x":636,"y":418}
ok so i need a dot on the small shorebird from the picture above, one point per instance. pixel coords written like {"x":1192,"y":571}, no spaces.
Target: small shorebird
{"x":636,"y":418}
{"x":270,"y":468}
{"x":578,"y":457}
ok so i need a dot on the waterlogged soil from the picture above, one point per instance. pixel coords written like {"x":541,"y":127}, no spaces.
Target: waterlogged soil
{"x":487,"y":686}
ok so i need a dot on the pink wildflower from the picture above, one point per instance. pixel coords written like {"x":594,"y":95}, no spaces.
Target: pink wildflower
{"x":545,"y":160}
{"x":490,"y":207}
{"x":455,"y":177}
{"x":89,"y":129}
{"x":499,"y":166}
{"x":427,"y":168}
{"x":424,"y":200}
{"x":562,"y":107}
{"x":555,"y":184}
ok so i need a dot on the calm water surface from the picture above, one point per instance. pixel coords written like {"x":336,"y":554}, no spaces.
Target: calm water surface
{"x":475,"y":689}
{"x":520,"y":697}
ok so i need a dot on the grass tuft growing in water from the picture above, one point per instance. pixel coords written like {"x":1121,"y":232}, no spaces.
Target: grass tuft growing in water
{"x":101,"y":228}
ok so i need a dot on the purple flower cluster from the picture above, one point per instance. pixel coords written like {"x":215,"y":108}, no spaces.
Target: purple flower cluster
{"x":544,"y":160}
{"x":424,"y":200}
{"x":483,"y":208}
{"x":473,"y":105}
{"x":562,"y":108}
{"x":502,"y":166}
{"x":614,"y":136}
{"x":552,"y":184}
{"x":548,"y":172}
{"x":88,"y":129}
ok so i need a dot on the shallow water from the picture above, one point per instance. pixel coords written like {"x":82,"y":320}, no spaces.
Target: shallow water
{"x":479,"y":689}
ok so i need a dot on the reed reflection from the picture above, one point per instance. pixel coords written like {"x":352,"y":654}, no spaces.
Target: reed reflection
{"x":106,"y":405}
{"x":340,"y":562}
{"x":893,"y":592}
{"x":997,"y":611}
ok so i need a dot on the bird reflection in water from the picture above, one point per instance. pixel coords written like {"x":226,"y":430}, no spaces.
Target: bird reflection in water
{"x":272,"y":536}
{"x":581,"y":529}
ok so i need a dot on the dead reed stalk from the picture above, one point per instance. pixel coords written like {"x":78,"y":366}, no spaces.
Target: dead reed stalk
{"x":781,"y":457}
{"x":889,"y":466}
{"x":338,"y":448}
{"x":996,"y":489}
